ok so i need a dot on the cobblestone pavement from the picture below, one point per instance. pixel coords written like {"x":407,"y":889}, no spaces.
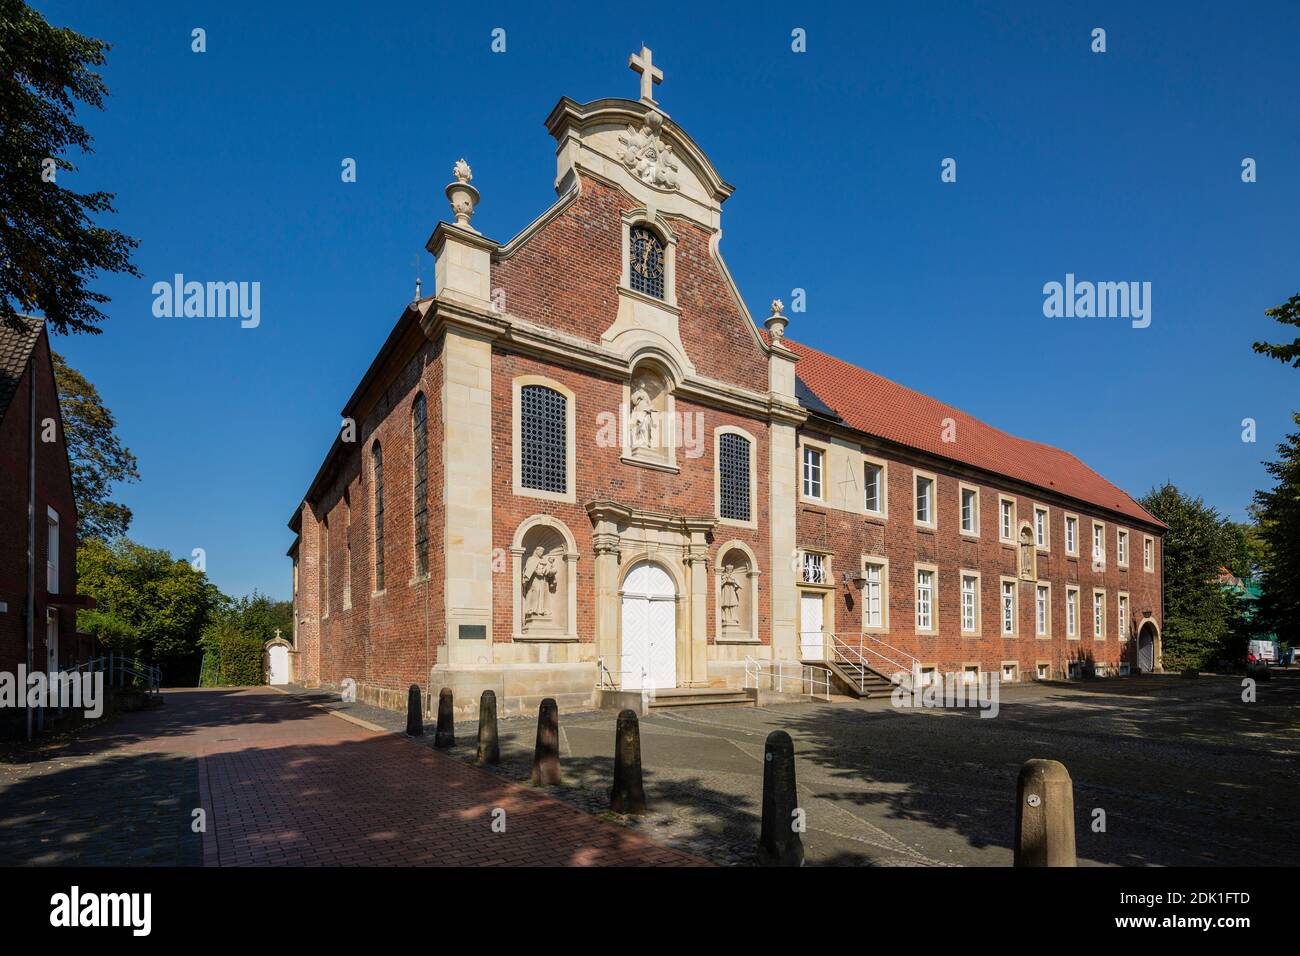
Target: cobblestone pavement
{"x":1185,"y":772}
{"x":285,"y":783}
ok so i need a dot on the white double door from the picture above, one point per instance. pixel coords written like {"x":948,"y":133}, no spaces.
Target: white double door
{"x":649,"y":631}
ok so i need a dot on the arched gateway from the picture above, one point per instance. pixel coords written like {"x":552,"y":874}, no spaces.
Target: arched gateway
{"x":649,"y":628}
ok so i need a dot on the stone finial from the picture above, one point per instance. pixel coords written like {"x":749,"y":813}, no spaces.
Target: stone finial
{"x":417,"y":290}
{"x":776,"y":322}
{"x":462,"y":195}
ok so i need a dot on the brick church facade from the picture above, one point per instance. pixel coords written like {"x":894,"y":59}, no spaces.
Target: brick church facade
{"x":581,"y":462}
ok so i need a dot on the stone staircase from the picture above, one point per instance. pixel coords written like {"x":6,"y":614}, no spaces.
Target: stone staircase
{"x":671,"y":697}
{"x":858,"y":680}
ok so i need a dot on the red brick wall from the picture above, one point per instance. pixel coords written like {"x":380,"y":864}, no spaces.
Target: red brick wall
{"x":849,"y":536}
{"x":53,"y":490}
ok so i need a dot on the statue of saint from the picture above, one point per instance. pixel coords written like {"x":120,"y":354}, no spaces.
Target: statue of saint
{"x":1026,"y":554}
{"x":539,"y":583}
{"x":730,"y":598}
{"x":642,"y":418}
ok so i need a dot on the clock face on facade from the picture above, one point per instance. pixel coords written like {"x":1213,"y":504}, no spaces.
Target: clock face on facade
{"x":647,"y":265}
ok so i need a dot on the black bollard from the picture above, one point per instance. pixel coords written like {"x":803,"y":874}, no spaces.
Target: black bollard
{"x":489,"y":752}
{"x":414,"y":712}
{"x":779,"y":843}
{"x":628,"y":795}
{"x":546,"y":755}
{"x":445,"y":735}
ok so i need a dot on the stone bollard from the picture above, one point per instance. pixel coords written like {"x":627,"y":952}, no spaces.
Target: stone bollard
{"x":779,"y":843}
{"x":628,"y":795}
{"x":1044,"y":815}
{"x":414,"y":712}
{"x":489,"y":751}
{"x":445,"y":734}
{"x":546,"y":755}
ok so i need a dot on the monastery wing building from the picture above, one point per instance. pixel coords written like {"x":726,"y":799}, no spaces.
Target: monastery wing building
{"x":581,"y":470}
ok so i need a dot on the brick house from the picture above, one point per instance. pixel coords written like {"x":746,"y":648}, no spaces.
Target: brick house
{"x":581,"y":462}
{"x":32,"y":444}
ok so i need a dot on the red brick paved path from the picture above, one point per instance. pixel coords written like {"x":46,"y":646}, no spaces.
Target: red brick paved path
{"x":288,"y":784}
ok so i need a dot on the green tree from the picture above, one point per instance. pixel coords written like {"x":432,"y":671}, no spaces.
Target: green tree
{"x":1248,"y":551}
{"x":1199,"y":614}
{"x":1279,"y":527}
{"x":96,"y":454}
{"x":238,"y":631}
{"x":163,"y":601}
{"x":50,"y":246}
{"x":1286,"y":314}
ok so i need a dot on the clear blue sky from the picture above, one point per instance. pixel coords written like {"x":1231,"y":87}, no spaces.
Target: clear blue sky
{"x":1117,"y":166}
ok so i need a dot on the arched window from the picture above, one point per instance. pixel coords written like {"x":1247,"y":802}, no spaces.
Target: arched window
{"x":377,"y":463}
{"x":420,"y":487}
{"x":646,"y":262}
{"x":733,"y":477}
{"x":543,"y":416}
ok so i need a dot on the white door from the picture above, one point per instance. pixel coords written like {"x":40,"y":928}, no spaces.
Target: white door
{"x":810,"y":626}
{"x":51,"y":642}
{"x":649,"y":652}
{"x":279,"y":664}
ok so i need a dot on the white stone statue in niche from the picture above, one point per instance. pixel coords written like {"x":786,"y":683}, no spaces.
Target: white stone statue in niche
{"x":643,"y":417}
{"x":730,"y":597}
{"x":539,"y":584}
{"x":1027,"y":555}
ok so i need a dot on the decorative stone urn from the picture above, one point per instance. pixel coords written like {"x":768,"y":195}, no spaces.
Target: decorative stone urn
{"x":462,"y":195}
{"x":776,"y":322}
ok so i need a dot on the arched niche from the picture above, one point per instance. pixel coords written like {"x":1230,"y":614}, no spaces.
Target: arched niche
{"x":1026,"y":553}
{"x":545,"y":581}
{"x":735,"y":575}
{"x":649,"y":410}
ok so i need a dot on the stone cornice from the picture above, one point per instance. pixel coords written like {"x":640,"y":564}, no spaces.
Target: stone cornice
{"x":604,"y":510}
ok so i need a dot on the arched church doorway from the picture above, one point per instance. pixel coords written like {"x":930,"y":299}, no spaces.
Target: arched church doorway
{"x":1146,"y":649}
{"x":648,"y":657}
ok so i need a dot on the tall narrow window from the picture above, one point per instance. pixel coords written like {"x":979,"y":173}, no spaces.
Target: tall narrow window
{"x":325,"y":566}
{"x":1007,"y":519}
{"x":52,"y":552}
{"x":1008,"y":607}
{"x":1098,"y":614}
{"x":543,"y":416}
{"x":1121,"y":548}
{"x":1040,"y":527}
{"x":924,"y":600}
{"x":1041,"y":608}
{"x":1099,"y":543}
{"x":969,"y":602}
{"x":970,"y":514}
{"x":1123,"y":617}
{"x":420,"y":487}
{"x":1147,"y":545}
{"x":646,"y":262}
{"x":872,"y":476}
{"x":812,"y":472}
{"x":1071,"y":534}
{"x":924,"y":500}
{"x":872,"y":595}
{"x":733,"y":476}
{"x":377,"y":468}
{"x":1072,"y":612}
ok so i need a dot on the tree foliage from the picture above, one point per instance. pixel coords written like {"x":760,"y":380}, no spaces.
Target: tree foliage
{"x":1278,"y":510}
{"x":1288,"y":352}
{"x":237,"y":633}
{"x":96,"y":454}
{"x":164,"y":602}
{"x":50,"y":245}
{"x":1199,"y":615}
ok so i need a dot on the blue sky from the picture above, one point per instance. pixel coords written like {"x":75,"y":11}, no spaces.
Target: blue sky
{"x":1122,"y":166}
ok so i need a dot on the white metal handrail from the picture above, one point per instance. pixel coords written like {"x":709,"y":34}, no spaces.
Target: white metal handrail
{"x":778,"y":678}
{"x":896,"y":662}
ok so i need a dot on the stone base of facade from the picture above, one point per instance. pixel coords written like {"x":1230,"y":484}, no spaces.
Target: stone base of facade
{"x":519,"y":688}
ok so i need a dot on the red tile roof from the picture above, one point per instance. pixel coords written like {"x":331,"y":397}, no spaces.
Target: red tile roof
{"x":877,"y":406}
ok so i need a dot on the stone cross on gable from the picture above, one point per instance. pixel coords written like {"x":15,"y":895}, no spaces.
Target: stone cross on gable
{"x":643,"y":63}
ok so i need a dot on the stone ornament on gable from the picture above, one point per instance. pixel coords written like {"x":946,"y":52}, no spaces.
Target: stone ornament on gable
{"x":647,"y":155}
{"x":462,"y":195}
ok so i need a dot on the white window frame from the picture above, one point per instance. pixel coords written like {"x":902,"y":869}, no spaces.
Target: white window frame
{"x":1006,"y":529}
{"x":974,"y":530}
{"x":1043,"y":616}
{"x":806,"y":448}
{"x":1072,"y":612}
{"x":1003,"y":584}
{"x":1121,"y":547}
{"x":1122,"y":614}
{"x":932,"y":500}
{"x":1148,"y":554}
{"x":974,"y":576}
{"x":1015,"y":672}
{"x":882,"y":493}
{"x":753,"y":476}
{"x":1071,"y":534}
{"x":932,"y":625}
{"x":1098,"y":526}
{"x":1098,"y":619}
{"x":570,"y":493}
{"x":817,"y":561}
{"x":53,"y":545}
{"x":1040,"y":667}
{"x":882,"y":564}
{"x":1043,"y":541}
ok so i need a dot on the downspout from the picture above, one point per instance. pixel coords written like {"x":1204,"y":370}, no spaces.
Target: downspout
{"x":31,"y":524}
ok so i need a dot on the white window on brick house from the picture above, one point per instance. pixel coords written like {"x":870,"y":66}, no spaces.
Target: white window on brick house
{"x":1071,"y":534}
{"x":969,"y":603}
{"x":814,"y":567}
{"x":1121,"y":548}
{"x":1010,"y":673}
{"x":812,"y":472}
{"x":1071,"y":612}
{"x":924,"y":599}
{"x":1099,"y":615}
{"x":1006,"y":519}
{"x":873,"y":595}
{"x":734,"y":477}
{"x":1044,"y":671}
{"x":924,"y":500}
{"x":970,"y":511}
{"x":970,"y":674}
{"x":1148,"y":553}
{"x":873,"y":477}
{"x":1123,"y":617}
{"x":1040,"y":528}
{"x":52,"y":551}
{"x":1098,"y":543}
{"x":1008,"y":607}
{"x":928,"y":675}
{"x":1042,"y":609}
